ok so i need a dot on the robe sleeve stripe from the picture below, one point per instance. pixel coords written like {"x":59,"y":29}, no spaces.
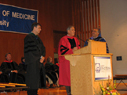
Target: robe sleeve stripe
{"x":26,"y":51}
{"x":64,"y":52}
{"x":63,"y":49}
{"x":29,"y":47}
{"x":29,"y":42}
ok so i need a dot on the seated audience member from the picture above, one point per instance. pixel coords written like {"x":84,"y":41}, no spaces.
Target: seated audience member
{"x":42,"y":76}
{"x":10,"y":68}
{"x":56,"y":66}
{"x":3,"y":77}
{"x":22,"y":65}
{"x":50,"y":71}
{"x":22,"y":68}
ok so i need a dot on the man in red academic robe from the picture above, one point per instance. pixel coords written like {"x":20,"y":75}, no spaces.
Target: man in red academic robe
{"x":67,"y":45}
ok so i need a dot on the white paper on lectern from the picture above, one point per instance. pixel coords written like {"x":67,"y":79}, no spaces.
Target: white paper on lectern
{"x":102,"y":68}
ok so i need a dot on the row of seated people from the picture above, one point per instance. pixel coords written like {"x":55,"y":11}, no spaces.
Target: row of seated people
{"x":10,"y":71}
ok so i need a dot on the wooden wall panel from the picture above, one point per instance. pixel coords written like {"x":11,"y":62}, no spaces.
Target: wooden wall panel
{"x":57,"y":35}
{"x":53,"y":15}
{"x":89,"y":17}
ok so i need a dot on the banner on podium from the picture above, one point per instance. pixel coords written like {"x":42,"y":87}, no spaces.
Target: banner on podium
{"x":102,"y":68}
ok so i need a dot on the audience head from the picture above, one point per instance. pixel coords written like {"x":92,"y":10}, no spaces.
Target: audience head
{"x":8,"y":56}
{"x":95,"y":32}
{"x":23,"y":60}
{"x":36,"y":28}
{"x":71,"y":31}
{"x":49,"y":59}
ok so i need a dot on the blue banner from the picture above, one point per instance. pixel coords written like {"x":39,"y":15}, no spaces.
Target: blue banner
{"x":16,"y":19}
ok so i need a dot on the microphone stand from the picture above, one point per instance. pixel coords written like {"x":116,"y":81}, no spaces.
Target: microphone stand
{"x":80,"y":38}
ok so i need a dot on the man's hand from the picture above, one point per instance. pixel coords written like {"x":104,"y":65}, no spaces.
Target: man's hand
{"x":42,"y":59}
{"x":14,"y":71}
{"x":0,"y":72}
{"x":75,"y":48}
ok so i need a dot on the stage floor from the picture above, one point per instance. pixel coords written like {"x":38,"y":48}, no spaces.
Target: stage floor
{"x":59,"y":91}
{"x":49,"y":91}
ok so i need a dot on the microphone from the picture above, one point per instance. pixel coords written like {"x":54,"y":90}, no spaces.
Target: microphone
{"x":80,"y":38}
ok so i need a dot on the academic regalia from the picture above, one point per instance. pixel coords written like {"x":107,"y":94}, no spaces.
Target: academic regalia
{"x":7,"y":67}
{"x":3,"y":77}
{"x":66,"y":46}
{"x":42,"y":77}
{"x":57,"y":69}
{"x":22,"y":67}
{"x":33,"y":50}
{"x":50,"y":72}
{"x":99,"y":38}
{"x":49,"y":67}
{"x":22,"y":70}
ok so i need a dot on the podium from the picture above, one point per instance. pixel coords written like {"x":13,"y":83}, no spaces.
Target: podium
{"x":90,"y":67}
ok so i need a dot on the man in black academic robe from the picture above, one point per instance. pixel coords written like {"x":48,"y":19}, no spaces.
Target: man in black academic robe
{"x":34,"y":52}
{"x":11,"y":70}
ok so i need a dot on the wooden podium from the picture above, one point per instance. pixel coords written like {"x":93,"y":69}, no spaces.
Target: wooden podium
{"x":82,"y":69}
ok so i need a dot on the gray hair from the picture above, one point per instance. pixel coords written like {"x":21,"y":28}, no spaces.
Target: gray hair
{"x":69,"y":27}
